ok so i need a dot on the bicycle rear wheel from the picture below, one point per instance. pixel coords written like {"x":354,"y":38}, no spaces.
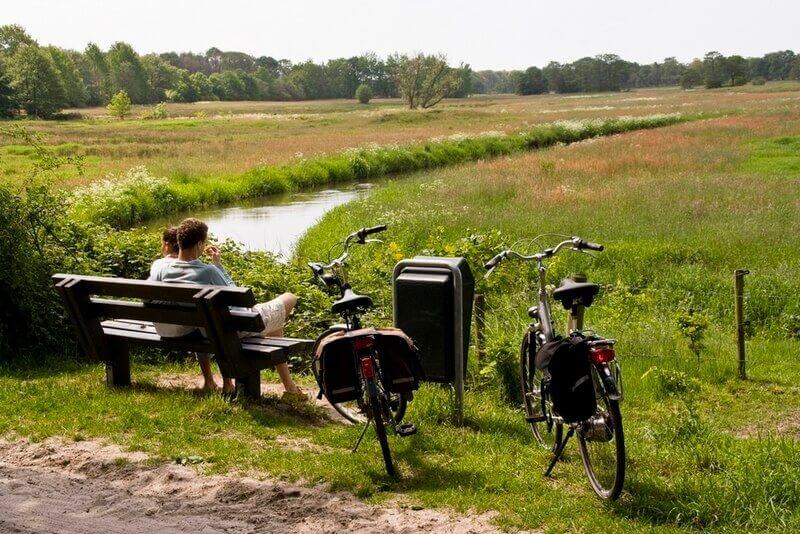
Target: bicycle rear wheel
{"x":380,"y":429}
{"x":602,"y":446}
{"x":546,"y":435}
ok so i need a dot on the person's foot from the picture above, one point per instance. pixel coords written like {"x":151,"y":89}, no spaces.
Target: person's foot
{"x":295,"y":396}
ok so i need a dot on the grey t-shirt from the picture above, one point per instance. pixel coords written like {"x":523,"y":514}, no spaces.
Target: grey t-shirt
{"x":186,"y":272}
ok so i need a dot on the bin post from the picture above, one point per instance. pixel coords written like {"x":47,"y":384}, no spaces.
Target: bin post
{"x":738,"y":302}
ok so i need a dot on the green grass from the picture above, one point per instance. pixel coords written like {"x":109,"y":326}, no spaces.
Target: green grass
{"x":777,"y":156}
{"x":686,"y":468}
{"x":124,"y":202}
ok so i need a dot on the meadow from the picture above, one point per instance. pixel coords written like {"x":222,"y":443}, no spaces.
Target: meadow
{"x":678,"y":207}
{"x":218,"y":139}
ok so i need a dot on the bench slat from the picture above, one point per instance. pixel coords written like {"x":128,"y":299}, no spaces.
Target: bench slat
{"x":150,"y":290}
{"x":172,"y":313}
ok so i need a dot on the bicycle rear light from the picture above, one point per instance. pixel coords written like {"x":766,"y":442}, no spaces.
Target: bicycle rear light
{"x":367,"y":369}
{"x":602,"y":354}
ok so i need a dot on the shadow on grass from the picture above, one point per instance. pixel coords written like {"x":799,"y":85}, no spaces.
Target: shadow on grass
{"x":264,"y":411}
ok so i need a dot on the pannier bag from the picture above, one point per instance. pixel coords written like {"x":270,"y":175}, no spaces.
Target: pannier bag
{"x":568,"y":377}
{"x":337,"y":366}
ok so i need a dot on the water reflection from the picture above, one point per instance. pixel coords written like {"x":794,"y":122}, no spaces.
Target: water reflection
{"x":275,"y":224}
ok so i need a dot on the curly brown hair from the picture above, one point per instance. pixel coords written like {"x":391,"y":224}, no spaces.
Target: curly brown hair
{"x":191,"y":231}
{"x":170,"y":238}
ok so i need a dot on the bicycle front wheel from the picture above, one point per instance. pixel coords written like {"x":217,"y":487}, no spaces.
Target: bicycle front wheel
{"x":602,"y":445}
{"x":548,"y":435}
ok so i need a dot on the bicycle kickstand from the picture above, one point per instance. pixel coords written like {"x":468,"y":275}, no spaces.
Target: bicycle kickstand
{"x":559,"y":452}
{"x":363,"y":433}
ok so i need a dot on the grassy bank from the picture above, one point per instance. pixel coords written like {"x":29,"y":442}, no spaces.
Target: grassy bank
{"x":138,"y":196}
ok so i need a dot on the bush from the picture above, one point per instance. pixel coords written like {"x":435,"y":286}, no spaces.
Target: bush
{"x":758,"y":80}
{"x":364,"y":93}
{"x":158,"y":112}
{"x":120,"y":105}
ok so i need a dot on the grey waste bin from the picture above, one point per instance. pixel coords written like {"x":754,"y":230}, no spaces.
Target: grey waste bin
{"x":432,"y":301}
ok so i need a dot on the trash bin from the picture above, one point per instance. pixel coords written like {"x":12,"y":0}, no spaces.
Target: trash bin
{"x":432,"y":300}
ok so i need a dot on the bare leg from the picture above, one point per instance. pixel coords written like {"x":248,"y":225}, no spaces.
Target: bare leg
{"x":227,"y":385}
{"x":283,"y":369}
{"x":208,"y":376}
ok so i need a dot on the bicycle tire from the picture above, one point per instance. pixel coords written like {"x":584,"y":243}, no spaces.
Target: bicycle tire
{"x":380,"y":431}
{"x":531,"y":399}
{"x":603,"y":489}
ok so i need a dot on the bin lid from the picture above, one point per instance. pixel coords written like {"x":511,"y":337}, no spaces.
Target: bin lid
{"x":442,"y":277}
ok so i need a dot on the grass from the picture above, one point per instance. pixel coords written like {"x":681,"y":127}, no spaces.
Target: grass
{"x":687,"y":467}
{"x":678,"y":208}
{"x":139,"y":196}
{"x":235,"y":137}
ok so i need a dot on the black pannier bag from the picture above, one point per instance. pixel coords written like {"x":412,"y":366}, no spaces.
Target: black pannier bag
{"x":399,"y":360}
{"x":568,"y":377}
{"x":335,"y":363}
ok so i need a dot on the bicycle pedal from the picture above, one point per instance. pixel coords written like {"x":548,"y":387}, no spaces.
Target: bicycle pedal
{"x":405,"y":430}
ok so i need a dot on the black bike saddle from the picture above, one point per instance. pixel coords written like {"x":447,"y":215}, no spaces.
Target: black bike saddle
{"x":571,"y":293}
{"x":351,"y":301}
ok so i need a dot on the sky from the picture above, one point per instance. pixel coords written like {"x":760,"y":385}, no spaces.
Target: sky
{"x":489,"y":34}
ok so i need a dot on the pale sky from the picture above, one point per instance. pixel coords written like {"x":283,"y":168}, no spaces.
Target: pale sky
{"x":499,"y":34}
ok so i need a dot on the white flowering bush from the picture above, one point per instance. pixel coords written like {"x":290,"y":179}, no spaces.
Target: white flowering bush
{"x":122,"y":200}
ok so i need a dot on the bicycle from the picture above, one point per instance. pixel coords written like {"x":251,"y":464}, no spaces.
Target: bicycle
{"x":600,"y":436}
{"x":368,"y":375}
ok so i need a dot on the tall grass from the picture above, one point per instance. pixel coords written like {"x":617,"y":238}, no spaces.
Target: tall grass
{"x":137,"y":196}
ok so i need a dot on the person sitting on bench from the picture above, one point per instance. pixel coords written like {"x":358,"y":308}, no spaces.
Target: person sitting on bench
{"x":169,"y":249}
{"x":192,"y":235}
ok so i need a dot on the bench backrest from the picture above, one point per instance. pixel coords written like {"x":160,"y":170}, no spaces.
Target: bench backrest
{"x":200,"y":306}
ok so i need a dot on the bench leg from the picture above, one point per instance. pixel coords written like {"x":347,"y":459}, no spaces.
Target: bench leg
{"x":118,"y":366}
{"x":249,"y":387}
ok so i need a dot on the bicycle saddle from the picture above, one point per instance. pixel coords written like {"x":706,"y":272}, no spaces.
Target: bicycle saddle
{"x":571,"y":293}
{"x":351,"y":301}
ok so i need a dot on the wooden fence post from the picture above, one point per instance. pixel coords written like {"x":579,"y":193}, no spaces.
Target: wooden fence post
{"x":738,"y":300}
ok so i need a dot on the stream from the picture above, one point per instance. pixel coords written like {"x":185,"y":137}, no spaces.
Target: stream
{"x":276,"y":223}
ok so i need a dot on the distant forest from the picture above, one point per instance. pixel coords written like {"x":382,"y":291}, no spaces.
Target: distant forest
{"x":41,"y":80}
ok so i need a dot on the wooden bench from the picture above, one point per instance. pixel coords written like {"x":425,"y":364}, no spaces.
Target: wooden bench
{"x":108,"y":327}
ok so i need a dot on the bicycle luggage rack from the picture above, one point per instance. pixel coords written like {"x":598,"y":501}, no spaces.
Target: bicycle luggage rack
{"x":432,"y":303}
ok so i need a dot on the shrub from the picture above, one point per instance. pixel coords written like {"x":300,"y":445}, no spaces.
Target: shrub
{"x":692,"y":326}
{"x":758,"y":80}
{"x":158,"y":112}
{"x":120,"y":105}
{"x":364,"y":93}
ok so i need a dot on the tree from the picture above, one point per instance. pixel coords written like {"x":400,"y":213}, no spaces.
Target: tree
{"x":12,"y":36}
{"x":714,"y":70}
{"x":693,"y":75}
{"x":74,"y":88}
{"x":96,"y":75}
{"x":8,"y":106}
{"x":35,"y":81}
{"x":364,"y":93}
{"x":127,"y":73}
{"x":120,"y":105}
{"x":530,"y":82}
{"x":423,"y":81}
{"x":738,"y":70}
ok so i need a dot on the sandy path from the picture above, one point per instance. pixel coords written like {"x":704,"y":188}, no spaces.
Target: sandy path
{"x":88,"y":487}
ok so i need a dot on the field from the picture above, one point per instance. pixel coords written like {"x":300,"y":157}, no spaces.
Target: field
{"x":233,"y":137}
{"x":678,"y":207}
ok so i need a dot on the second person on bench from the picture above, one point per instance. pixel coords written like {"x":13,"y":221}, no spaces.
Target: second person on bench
{"x":187,"y":267}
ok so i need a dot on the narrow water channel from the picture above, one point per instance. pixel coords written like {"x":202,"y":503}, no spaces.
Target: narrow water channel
{"x":274,"y":223}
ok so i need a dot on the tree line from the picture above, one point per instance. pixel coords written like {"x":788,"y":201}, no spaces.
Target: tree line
{"x":42,"y":80}
{"x":609,"y":72}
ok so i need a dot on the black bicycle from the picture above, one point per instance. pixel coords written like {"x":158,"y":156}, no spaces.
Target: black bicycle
{"x":367,"y":374}
{"x":600,"y":436}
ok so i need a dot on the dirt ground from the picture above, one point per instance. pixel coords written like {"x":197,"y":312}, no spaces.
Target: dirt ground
{"x":90,"y":487}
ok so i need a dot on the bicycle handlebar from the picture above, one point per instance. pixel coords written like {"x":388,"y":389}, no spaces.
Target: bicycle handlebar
{"x":576,"y":244}
{"x":364,"y":232}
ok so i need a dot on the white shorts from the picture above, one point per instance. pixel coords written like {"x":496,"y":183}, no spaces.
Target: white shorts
{"x":273,"y":313}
